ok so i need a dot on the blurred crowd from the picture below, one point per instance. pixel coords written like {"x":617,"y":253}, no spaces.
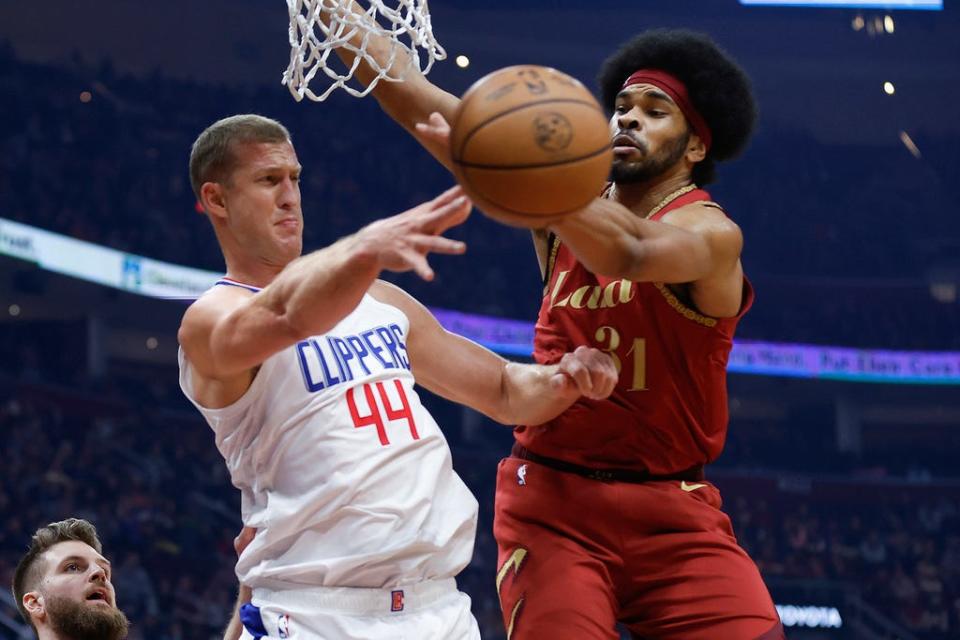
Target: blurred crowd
{"x":839,"y":252}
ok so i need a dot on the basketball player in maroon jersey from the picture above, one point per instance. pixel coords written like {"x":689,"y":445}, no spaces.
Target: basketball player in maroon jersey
{"x":603,"y":515}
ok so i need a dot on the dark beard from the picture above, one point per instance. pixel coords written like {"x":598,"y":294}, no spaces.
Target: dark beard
{"x":79,"y":621}
{"x":631,"y":172}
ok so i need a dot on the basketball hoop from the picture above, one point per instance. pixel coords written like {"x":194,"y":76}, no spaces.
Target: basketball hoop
{"x":318,"y":27}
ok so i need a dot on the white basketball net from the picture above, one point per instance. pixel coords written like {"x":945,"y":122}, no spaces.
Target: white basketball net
{"x":313,"y":41}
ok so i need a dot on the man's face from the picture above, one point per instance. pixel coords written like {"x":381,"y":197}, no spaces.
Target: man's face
{"x":650,"y":134}
{"x":262,"y":198}
{"x":75,"y":595}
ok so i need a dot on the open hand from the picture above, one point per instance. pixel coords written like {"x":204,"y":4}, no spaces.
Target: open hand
{"x":402,"y":242}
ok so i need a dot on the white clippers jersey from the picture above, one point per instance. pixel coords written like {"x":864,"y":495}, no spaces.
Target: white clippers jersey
{"x":344,"y":474}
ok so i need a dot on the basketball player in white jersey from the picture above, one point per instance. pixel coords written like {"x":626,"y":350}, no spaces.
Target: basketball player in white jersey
{"x":303,"y":367}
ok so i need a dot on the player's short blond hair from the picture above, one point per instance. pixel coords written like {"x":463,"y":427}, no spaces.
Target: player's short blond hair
{"x":212,"y":157}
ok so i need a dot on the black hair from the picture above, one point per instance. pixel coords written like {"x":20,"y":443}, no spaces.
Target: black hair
{"x":718,"y":87}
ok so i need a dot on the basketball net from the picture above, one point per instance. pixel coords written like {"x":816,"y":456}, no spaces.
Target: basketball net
{"x":318,"y":27}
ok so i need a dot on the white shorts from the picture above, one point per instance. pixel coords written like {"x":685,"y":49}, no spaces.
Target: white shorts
{"x":432,"y":610}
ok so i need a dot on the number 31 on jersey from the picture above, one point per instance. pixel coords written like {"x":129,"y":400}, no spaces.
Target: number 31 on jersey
{"x":608,"y":339}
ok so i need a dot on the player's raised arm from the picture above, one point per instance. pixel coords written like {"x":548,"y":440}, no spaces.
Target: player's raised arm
{"x":611,"y":240}
{"x":408,"y":102}
{"x":508,"y":392}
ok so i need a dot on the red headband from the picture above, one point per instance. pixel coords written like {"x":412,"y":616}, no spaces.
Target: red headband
{"x":673,"y":87}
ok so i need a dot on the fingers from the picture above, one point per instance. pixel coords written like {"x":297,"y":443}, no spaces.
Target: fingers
{"x":447,"y":196}
{"x":592,"y":371}
{"x":243,"y":539}
{"x":431,"y":244}
{"x":421,"y":267}
{"x":436,"y":128}
{"x":442,"y":213}
{"x":439,"y":122}
{"x":574,"y":368}
{"x":437,"y":244}
{"x":414,"y":255}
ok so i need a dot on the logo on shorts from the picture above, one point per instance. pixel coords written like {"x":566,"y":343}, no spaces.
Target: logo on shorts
{"x":396,"y":600}
{"x":283,"y":626}
{"x":691,"y":487}
{"x":522,"y":475}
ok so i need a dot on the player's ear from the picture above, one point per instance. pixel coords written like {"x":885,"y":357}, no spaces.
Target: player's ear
{"x":33,"y":603}
{"x":696,"y":150}
{"x":212,"y":199}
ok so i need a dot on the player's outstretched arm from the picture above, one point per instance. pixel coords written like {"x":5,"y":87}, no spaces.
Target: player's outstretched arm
{"x":228,"y":333}
{"x":509,"y":392}
{"x":408,"y":102}
{"x":699,"y":244}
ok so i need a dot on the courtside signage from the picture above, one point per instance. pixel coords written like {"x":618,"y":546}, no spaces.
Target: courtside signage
{"x":811,"y":617}
{"x":144,"y":276}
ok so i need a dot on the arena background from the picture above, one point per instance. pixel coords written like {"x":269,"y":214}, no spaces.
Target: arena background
{"x":840,"y":472}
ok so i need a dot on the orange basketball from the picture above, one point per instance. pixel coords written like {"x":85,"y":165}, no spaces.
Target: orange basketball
{"x":530,"y":144}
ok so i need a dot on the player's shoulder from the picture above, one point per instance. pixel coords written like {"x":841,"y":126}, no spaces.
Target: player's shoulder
{"x":204,"y":312}
{"x":390,"y":294}
{"x":418,"y":315}
{"x":702,"y":216}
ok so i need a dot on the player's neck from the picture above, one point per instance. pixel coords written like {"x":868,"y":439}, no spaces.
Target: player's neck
{"x":642,"y":197}
{"x":46,"y":633}
{"x":256,"y":275}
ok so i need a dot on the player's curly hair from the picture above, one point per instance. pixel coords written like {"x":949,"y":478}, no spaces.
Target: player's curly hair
{"x":718,"y":87}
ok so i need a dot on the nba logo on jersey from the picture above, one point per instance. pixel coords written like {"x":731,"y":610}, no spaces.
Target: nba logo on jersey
{"x":283,"y":626}
{"x":522,"y":475}
{"x":396,"y":600}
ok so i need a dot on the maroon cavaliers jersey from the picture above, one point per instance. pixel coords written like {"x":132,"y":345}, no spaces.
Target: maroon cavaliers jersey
{"x":668,"y":411}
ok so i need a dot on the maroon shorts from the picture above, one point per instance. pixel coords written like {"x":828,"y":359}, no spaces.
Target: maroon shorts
{"x":577,"y":555}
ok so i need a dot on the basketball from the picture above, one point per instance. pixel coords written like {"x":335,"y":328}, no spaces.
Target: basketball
{"x":530,"y":144}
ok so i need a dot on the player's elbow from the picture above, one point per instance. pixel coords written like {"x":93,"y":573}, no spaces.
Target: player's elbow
{"x":294,"y":326}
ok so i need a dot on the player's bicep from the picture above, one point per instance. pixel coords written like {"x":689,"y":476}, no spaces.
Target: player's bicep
{"x":673,"y":257}
{"x":445,"y":363}
{"x":676,"y":255}
{"x":231,"y":335}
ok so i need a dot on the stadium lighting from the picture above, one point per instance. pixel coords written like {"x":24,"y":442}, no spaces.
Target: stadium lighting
{"x":889,"y":89}
{"x":909,"y":144}
{"x":888,"y":24}
{"x":463,"y":61}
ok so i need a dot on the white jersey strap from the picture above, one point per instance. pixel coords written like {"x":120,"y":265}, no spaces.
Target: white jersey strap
{"x":230,"y":282}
